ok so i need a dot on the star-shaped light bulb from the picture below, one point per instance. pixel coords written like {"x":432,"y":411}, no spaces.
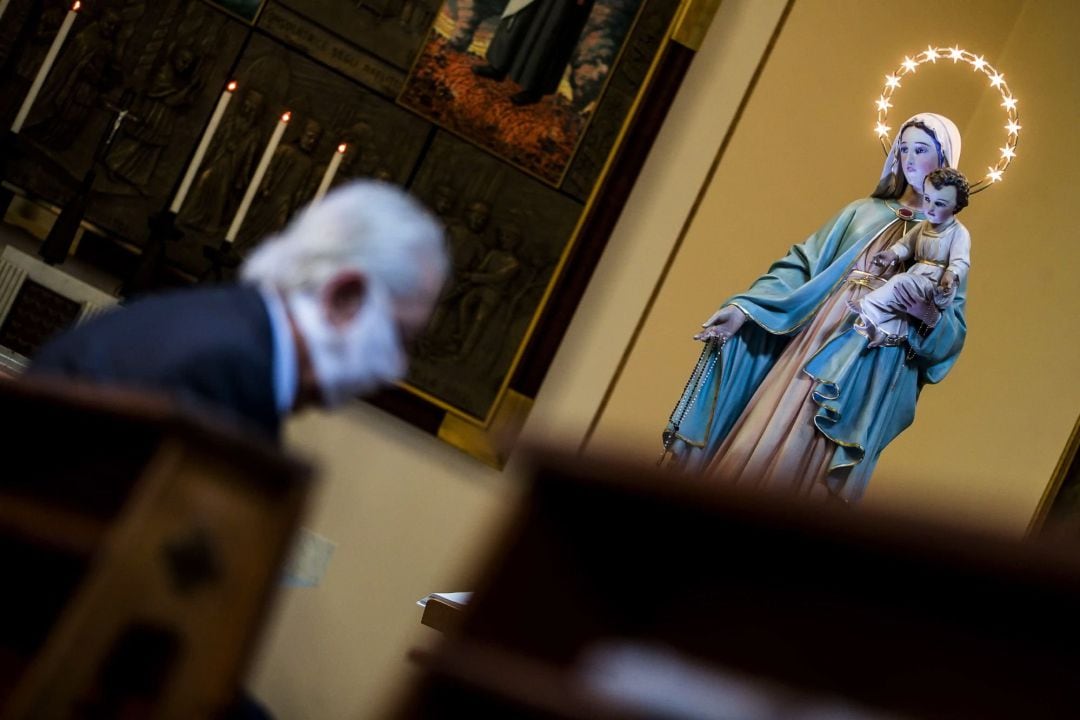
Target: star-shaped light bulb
{"x":932,"y":54}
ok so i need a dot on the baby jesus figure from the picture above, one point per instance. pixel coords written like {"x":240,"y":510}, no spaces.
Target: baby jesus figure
{"x":941,"y":247}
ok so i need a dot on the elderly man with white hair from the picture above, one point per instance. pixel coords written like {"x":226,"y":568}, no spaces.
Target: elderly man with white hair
{"x":321,"y":314}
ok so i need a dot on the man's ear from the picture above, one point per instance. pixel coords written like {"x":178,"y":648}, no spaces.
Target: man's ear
{"x":343,"y":297}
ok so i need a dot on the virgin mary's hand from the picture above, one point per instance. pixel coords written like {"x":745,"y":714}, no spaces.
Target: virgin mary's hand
{"x":722,"y":324}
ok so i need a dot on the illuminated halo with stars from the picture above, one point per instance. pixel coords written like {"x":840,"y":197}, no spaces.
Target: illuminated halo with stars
{"x":978,"y":64}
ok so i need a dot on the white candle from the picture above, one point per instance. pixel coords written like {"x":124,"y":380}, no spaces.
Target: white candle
{"x":46,"y":66}
{"x":204,"y":144}
{"x":331,"y":170}
{"x":256,"y":180}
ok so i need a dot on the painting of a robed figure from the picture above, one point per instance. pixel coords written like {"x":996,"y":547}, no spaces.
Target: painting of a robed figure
{"x":521,"y":78}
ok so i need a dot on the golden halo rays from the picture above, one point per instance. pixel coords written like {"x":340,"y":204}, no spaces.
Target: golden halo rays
{"x":910,"y":66}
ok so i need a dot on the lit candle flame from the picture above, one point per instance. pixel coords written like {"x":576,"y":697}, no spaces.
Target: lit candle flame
{"x":76,"y":6}
{"x":231,"y":87}
{"x":342,"y":148}
{"x":286,"y":116}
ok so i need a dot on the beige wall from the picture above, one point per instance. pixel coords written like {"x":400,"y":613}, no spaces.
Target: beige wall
{"x":409,"y":514}
{"x":985,"y":441}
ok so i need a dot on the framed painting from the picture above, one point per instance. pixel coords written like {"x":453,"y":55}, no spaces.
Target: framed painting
{"x":1059,"y":509}
{"x":520,"y":78}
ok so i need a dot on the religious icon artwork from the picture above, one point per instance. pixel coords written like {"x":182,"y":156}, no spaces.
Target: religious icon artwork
{"x":392,"y":30}
{"x":326,"y":112}
{"x":521,"y":78}
{"x":246,"y":9}
{"x":844,"y":337}
{"x":507,"y":233}
{"x":739,"y":425}
{"x":126,"y":98}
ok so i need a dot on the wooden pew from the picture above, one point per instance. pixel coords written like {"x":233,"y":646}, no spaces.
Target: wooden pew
{"x":140,"y":548}
{"x":617,"y":591}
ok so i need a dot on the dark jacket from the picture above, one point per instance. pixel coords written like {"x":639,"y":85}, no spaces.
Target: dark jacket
{"x":210,"y":349}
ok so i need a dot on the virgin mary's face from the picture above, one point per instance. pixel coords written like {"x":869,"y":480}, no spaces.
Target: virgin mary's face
{"x":918,"y":155}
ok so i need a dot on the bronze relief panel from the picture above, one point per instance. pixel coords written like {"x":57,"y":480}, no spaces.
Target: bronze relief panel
{"x":326,"y":110}
{"x":507,"y":233}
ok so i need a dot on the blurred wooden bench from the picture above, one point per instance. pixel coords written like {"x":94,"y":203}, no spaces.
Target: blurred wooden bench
{"x":618,"y":591}
{"x":140,"y":547}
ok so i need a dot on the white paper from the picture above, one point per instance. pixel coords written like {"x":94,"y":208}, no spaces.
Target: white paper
{"x":456,"y":598}
{"x":308,"y":560}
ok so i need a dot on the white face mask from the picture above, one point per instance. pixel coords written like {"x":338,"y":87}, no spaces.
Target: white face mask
{"x":355,"y":359}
